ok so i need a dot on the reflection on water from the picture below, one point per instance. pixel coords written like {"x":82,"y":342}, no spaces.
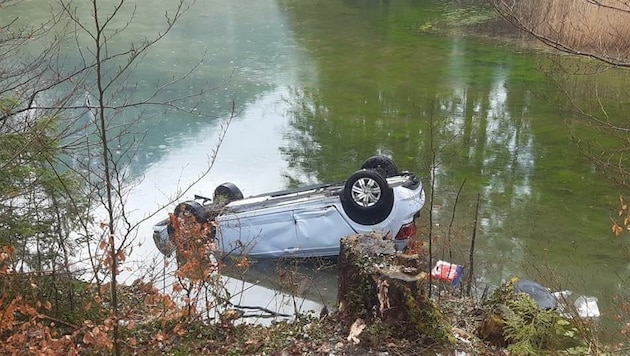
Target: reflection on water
{"x":502,"y":146}
{"x":483,"y":113}
{"x":314,"y":279}
{"x":320,"y":86}
{"x":253,"y":164}
{"x":254,"y":291}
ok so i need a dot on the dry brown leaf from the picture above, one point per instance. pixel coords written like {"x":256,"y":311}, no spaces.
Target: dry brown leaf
{"x":177,"y":287}
{"x":179,"y":330}
{"x":120,"y":256}
{"x":87,"y":338}
{"x":160,"y":336}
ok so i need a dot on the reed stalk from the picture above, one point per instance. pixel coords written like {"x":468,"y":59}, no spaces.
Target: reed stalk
{"x":587,"y":25}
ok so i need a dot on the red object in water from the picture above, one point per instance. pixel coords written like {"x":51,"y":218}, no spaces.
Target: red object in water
{"x":447,"y":272}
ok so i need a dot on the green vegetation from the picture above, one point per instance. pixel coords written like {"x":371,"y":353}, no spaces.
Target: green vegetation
{"x":457,"y":19}
{"x":516,"y":321}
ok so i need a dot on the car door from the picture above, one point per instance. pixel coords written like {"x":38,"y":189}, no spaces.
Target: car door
{"x":319,"y":230}
{"x":258,"y":234}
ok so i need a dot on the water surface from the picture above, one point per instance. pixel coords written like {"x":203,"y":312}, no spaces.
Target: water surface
{"x":320,"y":86}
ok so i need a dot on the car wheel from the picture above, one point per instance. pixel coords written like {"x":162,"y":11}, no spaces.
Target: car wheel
{"x":382,"y":164}
{"x":367,"y":198}
{"x":226,"y":193}
{"x":191,"y":208}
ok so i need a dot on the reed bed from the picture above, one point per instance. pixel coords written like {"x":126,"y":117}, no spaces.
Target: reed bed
{"x":580,"y":24}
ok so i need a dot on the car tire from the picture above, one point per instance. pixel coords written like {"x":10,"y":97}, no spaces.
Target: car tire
{"x":193,"y":208}
{"x":382,"y":164}
{"x":367,"y":199}
{"x":226,"y":193}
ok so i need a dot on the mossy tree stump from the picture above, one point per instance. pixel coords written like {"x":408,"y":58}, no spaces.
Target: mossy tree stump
{"x":376,"y":284}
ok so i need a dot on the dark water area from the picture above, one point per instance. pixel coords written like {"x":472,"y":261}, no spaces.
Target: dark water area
{"x":320,"y":86}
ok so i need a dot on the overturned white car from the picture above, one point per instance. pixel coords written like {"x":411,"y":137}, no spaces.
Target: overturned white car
{"x":307,"y":221}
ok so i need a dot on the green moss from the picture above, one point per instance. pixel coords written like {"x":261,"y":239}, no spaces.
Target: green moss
{"x":426,"y":318}
{"x":377,"y":334}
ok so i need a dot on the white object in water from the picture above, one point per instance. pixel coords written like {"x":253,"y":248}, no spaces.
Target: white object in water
{"x":587,"y":307}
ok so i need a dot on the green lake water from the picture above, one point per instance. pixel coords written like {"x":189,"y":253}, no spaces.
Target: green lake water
{"x":321,"y":85}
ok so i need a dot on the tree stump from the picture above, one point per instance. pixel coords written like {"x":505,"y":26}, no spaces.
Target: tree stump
{"x":376,"y":284}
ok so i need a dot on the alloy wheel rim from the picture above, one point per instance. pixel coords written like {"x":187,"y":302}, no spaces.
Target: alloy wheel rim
{"x":366,"y":192}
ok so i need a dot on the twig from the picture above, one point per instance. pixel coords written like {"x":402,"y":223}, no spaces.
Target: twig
{"x":433,"y":172}
{"x":472,"y":249}
{"x":450,"y":224}
{"x":263,"y":309}
{"x":55,"y":320}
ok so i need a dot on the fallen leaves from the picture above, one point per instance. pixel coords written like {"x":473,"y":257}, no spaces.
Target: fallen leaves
{"x":161,"y":336}
{"x":624,"y":215}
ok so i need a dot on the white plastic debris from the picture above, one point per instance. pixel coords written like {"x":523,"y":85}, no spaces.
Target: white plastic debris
{"x":563,"y":298}
{"x":561,"y":295}
{"x":587,"y":307}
